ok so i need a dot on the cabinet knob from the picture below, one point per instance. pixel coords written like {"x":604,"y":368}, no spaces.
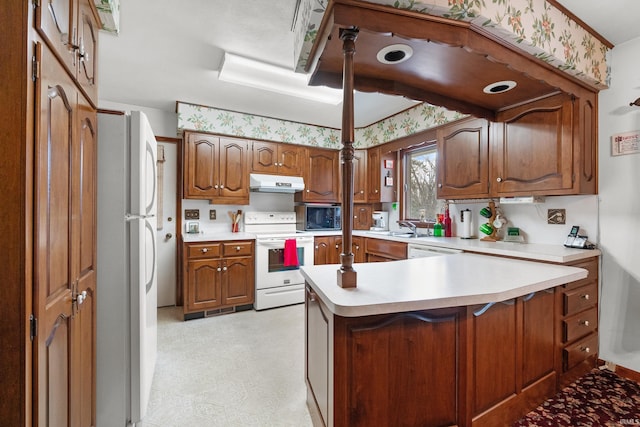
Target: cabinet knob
{"x":584,"y":322}
{"x":219,"y":269}
{"x":204,"y":250}
{"x":499,"y":179}
{"x":357,"y":248}
{"x":224,"y":268}
{"x":355,"y":217}
{"x":337,"y":246}
{"x":376,"y":190}
{"x":237,"y":248}
{"x":361,"y":191}
{"x":439,"y":185}
{"x":307,"y":191}
{"x":585,"y":297}
{"x":316,"y":246}
{"x":221,"y":186}
{"x":586,"y":349}
{"x":215,"y":186}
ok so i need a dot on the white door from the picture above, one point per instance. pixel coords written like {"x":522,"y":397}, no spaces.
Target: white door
{"x":167,"y":249}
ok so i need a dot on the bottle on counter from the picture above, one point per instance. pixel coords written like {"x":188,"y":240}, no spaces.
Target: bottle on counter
{"x":446,"y":222}
{"x":437,"y":228}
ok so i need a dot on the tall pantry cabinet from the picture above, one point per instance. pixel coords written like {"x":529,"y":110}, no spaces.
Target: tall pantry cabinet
{"x":48,"y":164}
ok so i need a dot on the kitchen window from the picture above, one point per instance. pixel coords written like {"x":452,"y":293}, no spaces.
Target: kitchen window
{"x":420,"y":184}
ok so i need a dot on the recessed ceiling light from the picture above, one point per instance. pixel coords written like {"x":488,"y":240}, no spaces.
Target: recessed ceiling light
{"x":394,"y":54}
{"x":499,"y":87}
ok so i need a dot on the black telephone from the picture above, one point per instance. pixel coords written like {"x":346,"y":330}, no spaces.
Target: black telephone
{"x":576,"y":241}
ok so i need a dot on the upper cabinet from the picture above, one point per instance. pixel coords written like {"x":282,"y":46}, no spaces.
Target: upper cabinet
{"x":276,"y":158}
{"x":70,"y":28}
{"x":546,"y":147}
{"x":532,"y":148}
{"x":216,"y":168}
{"x":463,"y":159}
{"x":360,"y":176}
{"x":380,"y":179}
{"x":321,"y":176}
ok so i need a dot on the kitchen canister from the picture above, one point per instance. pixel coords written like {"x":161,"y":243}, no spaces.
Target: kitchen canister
{"x":465,"y":219}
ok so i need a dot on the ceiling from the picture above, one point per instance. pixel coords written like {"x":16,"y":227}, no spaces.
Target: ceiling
{"x":176,"y":55}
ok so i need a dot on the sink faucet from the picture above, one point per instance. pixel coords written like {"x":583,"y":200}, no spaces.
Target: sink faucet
{"x":410,"y":226}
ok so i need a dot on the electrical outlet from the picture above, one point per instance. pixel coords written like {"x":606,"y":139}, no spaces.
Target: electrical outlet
{"x":212,"y":214}
{"x":192,"y":214}
{"x":556,"y":216}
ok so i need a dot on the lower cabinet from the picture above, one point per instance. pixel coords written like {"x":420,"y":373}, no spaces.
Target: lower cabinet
{"x":482,"y":365}
{"x":218,"y":275}
{"x":329,"y":248}
{"x":380,"y":250}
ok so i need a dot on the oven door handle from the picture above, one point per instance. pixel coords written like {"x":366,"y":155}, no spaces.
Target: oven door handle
{"x":279,"y":243}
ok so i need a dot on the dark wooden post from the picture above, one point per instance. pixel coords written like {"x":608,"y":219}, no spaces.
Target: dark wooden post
{"x":347,"y":276}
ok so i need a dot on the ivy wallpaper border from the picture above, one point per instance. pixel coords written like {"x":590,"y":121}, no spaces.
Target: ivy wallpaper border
{"x":215,"y":120}
{"x":534,"y":26}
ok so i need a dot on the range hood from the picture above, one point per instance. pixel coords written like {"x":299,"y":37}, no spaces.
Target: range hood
{"x":275,"y":183}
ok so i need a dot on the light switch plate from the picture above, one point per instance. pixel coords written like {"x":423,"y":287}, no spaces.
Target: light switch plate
{"x":556,"y":216}
{"x":212,"y":214}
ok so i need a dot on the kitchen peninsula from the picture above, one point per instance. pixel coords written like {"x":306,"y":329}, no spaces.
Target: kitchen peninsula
{"x":462,"y":339}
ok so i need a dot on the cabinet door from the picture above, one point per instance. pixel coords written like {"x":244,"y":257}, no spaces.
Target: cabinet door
{"x":373,"y":175}
{"x":362,"y":217}
{"x":55,"y":20}
{"x":463,"y":160}
{"x":55,"y":241}
{"x":264,"y":157}
{"x":323,"y":250}
{"x":537,"y":339}
{"x":234,"y":170}
{"x":532,"y":149}
{"x":238,"y":281}
{"x":290,"y":160}
{"x":317,"y":352}
{"x":87,"y":50}
{"x":201,"y":162}
{"x":322,"y":178}
{"x":357,"y":248}
{"x":360,"y":176}
{"x":203,"y":284}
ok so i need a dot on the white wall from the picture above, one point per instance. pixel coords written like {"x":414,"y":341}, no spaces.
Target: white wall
{"x":619,"y":179}
{"x":163,"y":123}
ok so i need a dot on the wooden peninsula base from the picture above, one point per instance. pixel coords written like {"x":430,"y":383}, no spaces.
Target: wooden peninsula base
{"x":475,"y":365}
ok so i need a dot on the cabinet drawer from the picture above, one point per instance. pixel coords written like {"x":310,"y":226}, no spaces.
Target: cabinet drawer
{"x":237,"y":248}
{"x":592,"y":267}
{"x":203,"y":250}
{"x":576,"y":300}
{"x":576,"y":353}
{"x":579,"y":325}
{"x":386,"y":248}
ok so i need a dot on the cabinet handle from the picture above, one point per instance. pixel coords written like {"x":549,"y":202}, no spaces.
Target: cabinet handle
{"x":224,"y":268}
{"x":215,"y":186}
{"x":585,"y":349}
{"x":355,"y":217}
{"x":316,"y":246}
{"x":585,"y":297}
{"x":221,"y":186}
{"x":499,"y":179}
{"x":357,"y":248}
{"x":376,"y":190}
{"x":311,"y":295}
{"x":307,"y":191}
{"x":219,"y":269}
{"x":204,"y":250}
{"x":237,"y":248}
{"x":584,"y":322}
{"x":337,"y":246}
{"x":439,"y":185}
{"x":361,"y":191}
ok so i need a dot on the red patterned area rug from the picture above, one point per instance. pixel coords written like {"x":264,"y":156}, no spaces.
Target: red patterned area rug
{"x":600,"y":398}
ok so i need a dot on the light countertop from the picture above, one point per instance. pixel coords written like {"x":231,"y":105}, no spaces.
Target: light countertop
{"x":218,"y":236}
{"x":437,"y":282}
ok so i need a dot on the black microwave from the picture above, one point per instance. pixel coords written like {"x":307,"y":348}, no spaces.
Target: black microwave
{"x":318,"y":217}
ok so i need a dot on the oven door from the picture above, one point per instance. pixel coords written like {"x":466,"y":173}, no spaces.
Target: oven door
{"x":270,"y":269}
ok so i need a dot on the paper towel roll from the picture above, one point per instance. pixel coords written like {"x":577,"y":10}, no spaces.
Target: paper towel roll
{"x":466,"y":224}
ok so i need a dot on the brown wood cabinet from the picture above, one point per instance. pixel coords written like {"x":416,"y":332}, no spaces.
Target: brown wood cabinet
{"x":379,"y":250}
{"x":321,"y":176}
{"x":532,"y":149}
{"x":362,"y":219}
{"x":463,"y":159}
{"x":577,"y":329}
{"x":377,"y":190}
{"x":216,"y":168}
{"x":218,"y":275}
{"x":360,"y":193}
{"x":545,"y":147}
{"x":277,"y":158}
{"x":329,"y":248}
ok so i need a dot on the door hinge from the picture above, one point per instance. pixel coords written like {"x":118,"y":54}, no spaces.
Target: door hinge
{"x":33,"y":326}
{"x":35,"y":68}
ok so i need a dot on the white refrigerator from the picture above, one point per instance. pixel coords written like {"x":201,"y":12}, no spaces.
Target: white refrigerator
{"x":126,"y":282}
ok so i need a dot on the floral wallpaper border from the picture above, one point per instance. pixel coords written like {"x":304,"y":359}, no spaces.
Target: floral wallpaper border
{"x":534,"y":26}
{"x":216,"y":120}
{"x":109,"y":12}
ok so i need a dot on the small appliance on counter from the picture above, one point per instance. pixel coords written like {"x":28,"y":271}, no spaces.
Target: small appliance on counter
{"x":380,"y":221}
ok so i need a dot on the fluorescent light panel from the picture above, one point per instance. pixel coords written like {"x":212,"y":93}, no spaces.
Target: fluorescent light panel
{"x":248,"y":72}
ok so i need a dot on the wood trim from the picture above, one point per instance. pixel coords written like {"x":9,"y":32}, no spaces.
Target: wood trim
{"x":114,"y":112}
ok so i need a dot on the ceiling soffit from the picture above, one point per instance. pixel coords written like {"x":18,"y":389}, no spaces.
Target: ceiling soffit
{"x":452,"y":60}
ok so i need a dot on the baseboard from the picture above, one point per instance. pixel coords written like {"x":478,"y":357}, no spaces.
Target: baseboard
{"x":620,"y":370}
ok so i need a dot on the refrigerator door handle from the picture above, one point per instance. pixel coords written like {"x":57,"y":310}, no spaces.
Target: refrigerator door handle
{"x":155,"y":254}
{"x":154,"y":166}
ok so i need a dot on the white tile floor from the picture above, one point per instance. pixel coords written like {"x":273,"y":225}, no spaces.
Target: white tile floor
{"x":239,"y":369}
